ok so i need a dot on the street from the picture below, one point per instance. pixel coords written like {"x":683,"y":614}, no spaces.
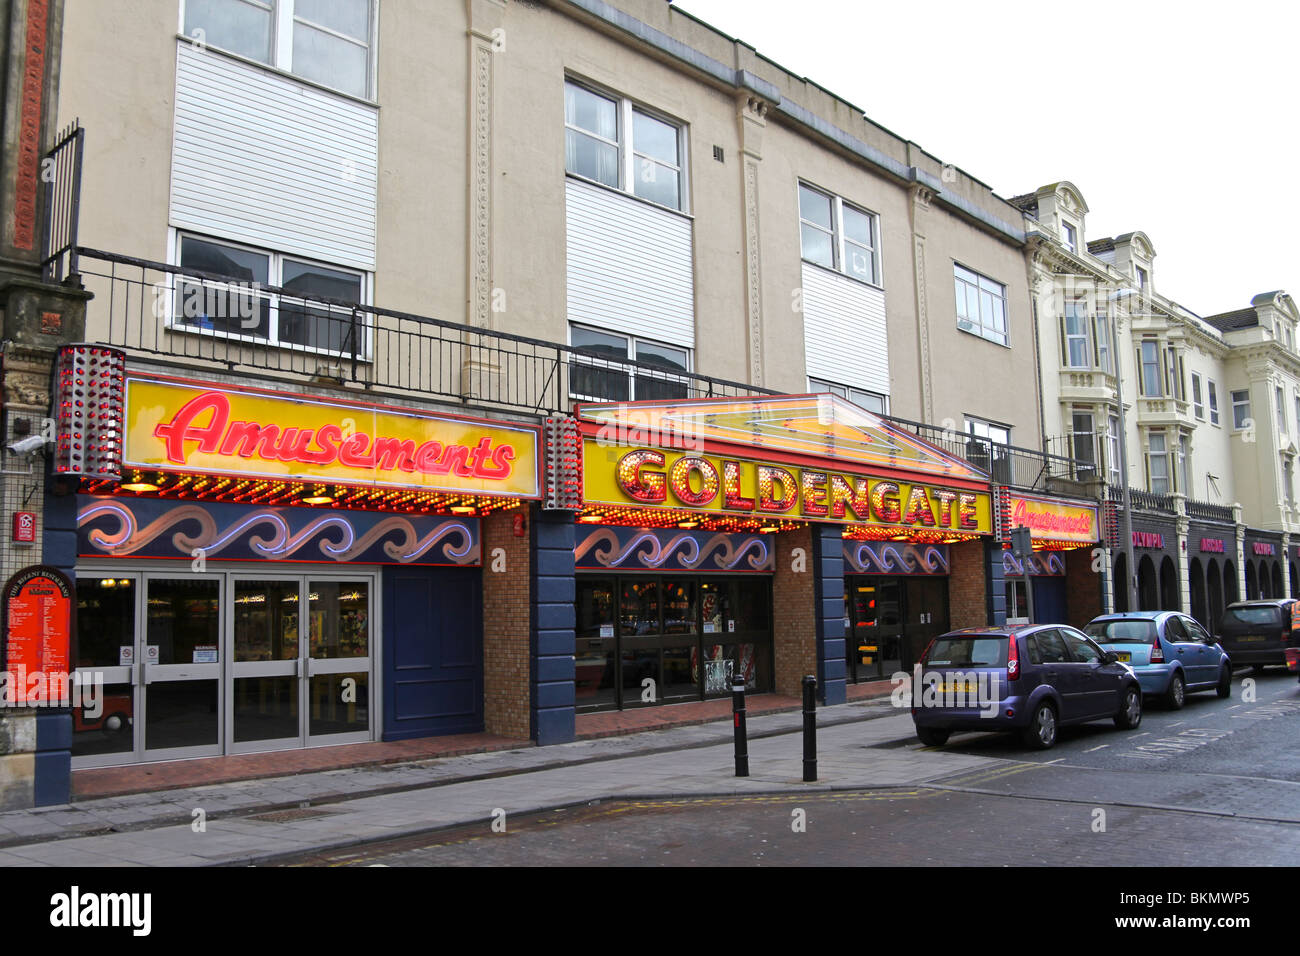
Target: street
{"x":1217,"y":782}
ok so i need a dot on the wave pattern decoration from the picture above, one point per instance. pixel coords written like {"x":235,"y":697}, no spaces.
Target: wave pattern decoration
{"x":649,"y":549}
{"x":879,"y":557}
{"x":1048,"y":564}
{"x":268,"y":534}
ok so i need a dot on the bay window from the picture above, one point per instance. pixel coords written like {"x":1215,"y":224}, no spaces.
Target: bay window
{"x":1157,"y":463}
{"x":1078,"y":348}
{"x":1149,"y":363}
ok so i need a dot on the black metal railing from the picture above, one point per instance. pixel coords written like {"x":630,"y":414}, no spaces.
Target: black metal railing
{"x":1005,"y":464}
{"x":1209,"y":512}
{"x":1142,"y":500}
{"x":206,"y":319}
{"x":61,"y":188}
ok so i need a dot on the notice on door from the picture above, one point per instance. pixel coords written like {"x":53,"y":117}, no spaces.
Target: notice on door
{"x":38,"y":608}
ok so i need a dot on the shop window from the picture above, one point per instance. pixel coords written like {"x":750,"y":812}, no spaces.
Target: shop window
{"x":239,"y":305}
{"x":838,"y":235}
{"x":610,"y":141}
{"x":599,"y":369}
{"x":325,"y":41}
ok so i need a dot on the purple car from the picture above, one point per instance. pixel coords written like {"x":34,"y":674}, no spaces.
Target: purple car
{"x":1030,"y":679}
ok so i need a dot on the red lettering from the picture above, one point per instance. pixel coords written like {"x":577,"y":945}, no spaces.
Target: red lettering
{"x":395,"y":453}
{"x":426,"y":457}
{"x":731,"y":495}
{"x":500,"y":467}
{"x":919,"y":510}
{"x":182,"y":428}
{"x":854,"y":497}
{"x":350,"y":452}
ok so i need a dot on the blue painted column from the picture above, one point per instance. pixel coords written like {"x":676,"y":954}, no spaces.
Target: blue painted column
{"x":553,"y":619}
{"x":828,"y":592}
{"x":996,"y":593}
{"x":53,"y":761}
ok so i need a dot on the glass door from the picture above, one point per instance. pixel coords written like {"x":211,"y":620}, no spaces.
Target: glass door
{"x":105,"y":648}
{"x":266,"y":668}
{"x":336,"y":663}
{"x":180,"y":667}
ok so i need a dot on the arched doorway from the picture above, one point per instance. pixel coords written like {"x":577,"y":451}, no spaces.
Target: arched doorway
{"x":1214,"y":588}
{"x":1148,"y":589}
{"x":1252,"y":582}
{"x":1196,"y":584}
{"x":1170,"y":600}
{"x":1119,"y":583}
{"x":1277,"y":580}
{"x":1230,"y":593}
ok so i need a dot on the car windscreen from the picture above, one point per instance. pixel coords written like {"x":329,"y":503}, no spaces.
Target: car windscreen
{"x":1261,"y":616}
{"x":981,"y":651}
{"x":1122,"y":632}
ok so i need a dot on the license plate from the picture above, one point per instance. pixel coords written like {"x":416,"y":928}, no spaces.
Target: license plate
{"x":956,"y":688}
{"x":1124,"y":656}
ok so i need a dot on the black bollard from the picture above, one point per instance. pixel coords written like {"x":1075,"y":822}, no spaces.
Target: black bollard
{"x":738,"y":712}
{"x":809,"y":729}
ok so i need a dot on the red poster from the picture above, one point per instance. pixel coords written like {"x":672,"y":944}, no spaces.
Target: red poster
{"x":38,"y":603}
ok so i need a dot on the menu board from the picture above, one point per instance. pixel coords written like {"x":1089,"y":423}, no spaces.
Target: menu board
{"x":38,"y":629}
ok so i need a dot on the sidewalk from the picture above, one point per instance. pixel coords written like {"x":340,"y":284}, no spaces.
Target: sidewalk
{"x":861,"y":744}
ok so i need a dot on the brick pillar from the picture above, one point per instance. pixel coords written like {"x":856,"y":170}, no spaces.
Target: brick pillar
{"x":828,"y":590}
{"x":975,"y":585}
{"x":1085,"y":588}
{"x":553,"y":619}
{"x":794,"y":614}
{"x":507,"y":690}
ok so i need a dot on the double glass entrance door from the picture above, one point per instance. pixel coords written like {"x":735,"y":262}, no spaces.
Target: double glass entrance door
{"x":196,"y":665}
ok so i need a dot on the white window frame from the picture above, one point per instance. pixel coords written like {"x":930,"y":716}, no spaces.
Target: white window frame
{"x":1143,"y":365}
{"x":1078,"y":308}
{"x":1091,"y":440}
{"x":280,"y":43}
{"x":1212,"y":394}
{"x":1069,"y":236}
{"x":1161,"y":456}
{"x":576,"y":357}
{"x":168,"y":292}
{"x":626,"y":109}
{"x":1198,"y":398}
{"x":839,"y":239}
{"x":1242,"y":405}
{"x":979,"y":325}
{"x":1112,"y":450}
{"x":1101,"y":325}
{"x":1280,"y":395}
{"x":851,"y":394}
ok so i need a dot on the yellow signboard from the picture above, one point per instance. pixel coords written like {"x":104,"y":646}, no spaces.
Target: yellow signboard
{"x":663,"y":478}
{"x":199,"y":427}
{"x":1049,"y":520}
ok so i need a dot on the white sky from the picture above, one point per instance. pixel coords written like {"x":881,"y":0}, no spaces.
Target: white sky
{"x":1178,"y":119}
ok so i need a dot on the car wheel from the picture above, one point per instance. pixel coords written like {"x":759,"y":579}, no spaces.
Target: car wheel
{"x":931,"y":737}
{"x":1176,"y":696}
{"x":1225,"y":682}
{"x":1131,"y":714}
{"x":1041,"y":732}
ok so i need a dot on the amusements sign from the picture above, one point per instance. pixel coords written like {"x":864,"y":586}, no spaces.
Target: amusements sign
{"x":38,"y":606}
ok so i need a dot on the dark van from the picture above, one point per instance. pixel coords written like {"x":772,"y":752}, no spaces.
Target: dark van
{"x":1258,"y":632}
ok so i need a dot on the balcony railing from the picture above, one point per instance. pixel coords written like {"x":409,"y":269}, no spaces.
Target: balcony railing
{"x":1142,"y":500}
{"x":1005,"y":464}
{"x":229,"y":323}
{"x":1208,"y":512}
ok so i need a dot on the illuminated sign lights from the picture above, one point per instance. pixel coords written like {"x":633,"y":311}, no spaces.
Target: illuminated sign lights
{"x":653,"y":478}
{"x":198,"y":427}
{"x":1055,"y":521}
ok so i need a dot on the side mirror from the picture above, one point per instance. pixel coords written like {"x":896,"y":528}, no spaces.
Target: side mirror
{"x":1112,"y":657}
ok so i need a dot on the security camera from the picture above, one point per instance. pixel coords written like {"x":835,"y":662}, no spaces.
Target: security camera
{"x":27,"y":446}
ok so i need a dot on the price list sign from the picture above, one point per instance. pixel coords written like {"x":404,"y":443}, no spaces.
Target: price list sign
{"x":38,"y":603}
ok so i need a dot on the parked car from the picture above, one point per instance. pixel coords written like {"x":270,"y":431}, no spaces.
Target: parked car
{"x":1030,"y":679}
{"x":1259,"y":632}
{"x":1171,"y":654}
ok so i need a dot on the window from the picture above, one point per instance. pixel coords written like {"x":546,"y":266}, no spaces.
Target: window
{"x":837,"y":235}
{"x":981,"y":305}
{"x":1069,"y":237}
{"x":1078,"y":349}
{"x":1184,"y":464}
{"x":986,"y":448}
{"x":1149,"y":362}
{"x":1288,"y":480}
{"x":1112,"y":450}
{"x":1281,"y":408}
{"x":1084,"y":444}
{"x":241,"y":306}
{"x":1157,"y":463}
{"x":324,"y":41}
{"x":1174,"y":373}
{"x":1240,"y":409}
{"x":1297,"y":413}
{"x":1198,"y":406}
{"x":1214,"y":403}
{"x":1142,"y":278}
{"x":598,"y":371}
{"x":609,"y":140}
{"x":871,"y":401}
{"x":1103,"y":345}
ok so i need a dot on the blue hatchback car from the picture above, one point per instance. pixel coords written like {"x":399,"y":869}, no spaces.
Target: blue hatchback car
{"x":1170,"y":653}
{"x":1032,"y":679}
